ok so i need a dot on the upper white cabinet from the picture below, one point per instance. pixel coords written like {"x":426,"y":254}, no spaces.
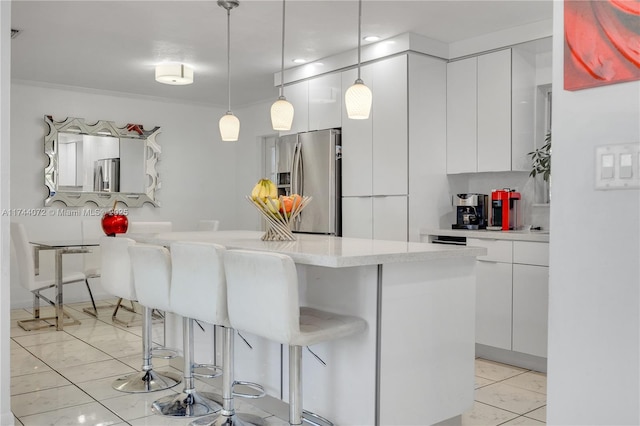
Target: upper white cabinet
{"x":357,"y":144}
{"x":489,"y":114}
{"x":462,"y":99}
{"x":298,"y":95}
{"x":325,"y":102}
{"x":390,"y":127}
{"x":375,"y":151}
{"x":494,"y":111}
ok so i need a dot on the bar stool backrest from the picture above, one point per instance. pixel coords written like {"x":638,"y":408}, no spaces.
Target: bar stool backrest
{"x":198,"y":283}
{"x":151,"y":275}
{"x":262,"y":294}
{"x":208,"y":225}
{"x":23,"y":256}
{"x":116,"y":273}
{"x":136,"y":227}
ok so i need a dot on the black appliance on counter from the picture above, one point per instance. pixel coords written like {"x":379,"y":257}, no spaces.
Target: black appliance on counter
{"x":472,"y":211}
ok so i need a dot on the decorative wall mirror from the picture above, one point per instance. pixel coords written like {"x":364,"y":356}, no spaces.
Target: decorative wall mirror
{"x":100,"y":163}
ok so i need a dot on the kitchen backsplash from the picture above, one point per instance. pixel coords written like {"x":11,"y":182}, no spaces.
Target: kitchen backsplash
{"x":533,"y":212}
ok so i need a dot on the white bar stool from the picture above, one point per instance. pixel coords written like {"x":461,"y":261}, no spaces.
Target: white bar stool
{"x":199,"y":292}
{"x":117,"y":279}
{"x":267,"y":305}
{"x":150,"y":264}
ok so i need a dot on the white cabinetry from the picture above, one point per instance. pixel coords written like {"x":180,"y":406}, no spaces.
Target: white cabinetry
{"x":494,"y":111}
{"x":488,"y":130}
{"x":462,"y":104}
{"x":390,"y":127}
{"x":357,"y":145}
{"x":298,"y":95}
{"x":530,"y":297}
{"x":325,"y":102}
{"x":512,"y":295}
{"x":375,"y":155}
{"x":493,"y":293}
{"x":375,"y":151}
{"x":382,"y":218}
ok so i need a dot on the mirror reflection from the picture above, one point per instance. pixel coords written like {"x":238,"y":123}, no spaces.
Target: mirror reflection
{"x":100,"y":163}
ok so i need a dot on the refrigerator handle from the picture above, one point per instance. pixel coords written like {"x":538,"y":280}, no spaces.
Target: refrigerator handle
{"x":296,"y":172}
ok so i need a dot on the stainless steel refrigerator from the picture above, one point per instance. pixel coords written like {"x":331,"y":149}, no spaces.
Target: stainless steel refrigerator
{"x":310,"y":164}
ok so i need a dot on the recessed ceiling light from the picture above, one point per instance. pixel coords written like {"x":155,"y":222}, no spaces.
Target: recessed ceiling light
{"x":175,"y":74}
{"x":371,"y":38}
{"x":299,"y":61}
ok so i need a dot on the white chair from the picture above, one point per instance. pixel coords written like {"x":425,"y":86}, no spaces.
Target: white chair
{"x":267,"y":305}
{"x":140,"y":227}
{"x":91,"y":230}
{"x":137,"y":227}
{"x":198,"y":292}
{"x":23,"y":254}
{"x":208,"y":225}
{"x":118,"y":279}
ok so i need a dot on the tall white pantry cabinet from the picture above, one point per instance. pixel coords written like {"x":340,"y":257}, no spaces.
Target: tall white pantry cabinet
{"x":385,"y":158}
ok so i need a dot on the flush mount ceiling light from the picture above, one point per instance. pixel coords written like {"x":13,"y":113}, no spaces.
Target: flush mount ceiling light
{"x":282,"y":110}
{"x":176,"y":74}
{"x":229,"y":123}
{"x":371,"y":38}
{"x":358,"y":97}
{"x":299,"y":61}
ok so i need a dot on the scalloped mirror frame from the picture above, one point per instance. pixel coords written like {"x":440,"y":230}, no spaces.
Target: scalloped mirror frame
{"x":101,"y":128}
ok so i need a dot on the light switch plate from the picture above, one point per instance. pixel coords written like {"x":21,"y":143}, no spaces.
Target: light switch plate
{"x":618,"y":166}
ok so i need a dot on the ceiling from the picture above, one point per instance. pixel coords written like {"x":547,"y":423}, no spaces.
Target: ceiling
{"x":115,"y":45}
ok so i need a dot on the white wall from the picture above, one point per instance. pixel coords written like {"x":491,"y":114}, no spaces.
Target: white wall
{"x":6,"y":417}
{"x":200,"y":174}
{"x":594,"y":297}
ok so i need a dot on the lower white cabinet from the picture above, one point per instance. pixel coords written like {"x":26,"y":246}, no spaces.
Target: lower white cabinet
{"x":382,"y":218}
{"x":512,"y":295}
{"x":357,"y":217}
{"x":493,"y":304}
{"x":530,"y":309}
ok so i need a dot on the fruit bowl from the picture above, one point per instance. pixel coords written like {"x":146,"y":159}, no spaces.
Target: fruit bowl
{"x":280,"y":214}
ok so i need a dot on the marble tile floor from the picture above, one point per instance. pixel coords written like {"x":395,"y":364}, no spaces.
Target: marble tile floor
{"x":64,"y":378}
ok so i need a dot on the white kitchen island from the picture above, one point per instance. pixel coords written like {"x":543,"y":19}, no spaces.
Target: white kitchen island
{"x":413,"y":365}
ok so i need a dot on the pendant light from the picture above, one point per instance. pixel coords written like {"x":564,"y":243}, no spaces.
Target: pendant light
{"x":229,"y":123}
{"x":282,"y":110}
{"x":358,"y":97}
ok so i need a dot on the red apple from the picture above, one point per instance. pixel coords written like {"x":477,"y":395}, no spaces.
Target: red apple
{"x":114,"y":223}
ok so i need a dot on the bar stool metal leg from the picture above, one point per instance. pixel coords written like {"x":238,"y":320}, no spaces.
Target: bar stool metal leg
{"x":228,"y":415}
{"x":147,"y":380}
{"x":295,"y":385}
{"x":188,"y":403}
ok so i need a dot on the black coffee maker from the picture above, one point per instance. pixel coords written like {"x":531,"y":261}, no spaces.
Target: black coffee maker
{"x":472,"y":211}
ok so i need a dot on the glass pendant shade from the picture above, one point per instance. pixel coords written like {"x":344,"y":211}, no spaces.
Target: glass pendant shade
{"x":358,"y":100}
{"x":281,"y":114}
{"x":229,"y":127}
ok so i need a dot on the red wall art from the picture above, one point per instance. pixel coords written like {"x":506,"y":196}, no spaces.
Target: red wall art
{"x":601,"y":42}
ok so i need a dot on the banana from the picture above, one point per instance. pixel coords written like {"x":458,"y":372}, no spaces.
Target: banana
{"x":264,"y":189}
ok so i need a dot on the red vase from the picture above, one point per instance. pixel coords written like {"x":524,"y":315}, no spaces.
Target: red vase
{"x":114,"y":223}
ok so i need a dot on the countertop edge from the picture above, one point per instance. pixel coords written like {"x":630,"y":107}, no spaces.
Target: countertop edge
{"x":534,"y":236}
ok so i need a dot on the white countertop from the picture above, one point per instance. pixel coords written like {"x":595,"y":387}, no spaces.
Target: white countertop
{"x":322,"y":250}
{"x":539,"y":236}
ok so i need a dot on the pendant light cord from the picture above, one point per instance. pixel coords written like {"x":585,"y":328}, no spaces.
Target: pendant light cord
{"x":282,"y":63}
{"x":229,"y":57}
{"x":359,"y":33}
